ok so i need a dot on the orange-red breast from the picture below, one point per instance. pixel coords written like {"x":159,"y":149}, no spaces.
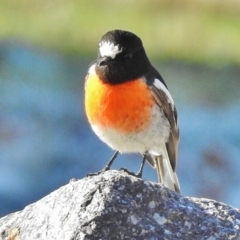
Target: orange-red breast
{"x":129,"y":106}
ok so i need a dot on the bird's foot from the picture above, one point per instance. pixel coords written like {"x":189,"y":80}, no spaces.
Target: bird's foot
{"x":138,"y":175}
{"x":99,"y":172}
{"x":106,"y":168}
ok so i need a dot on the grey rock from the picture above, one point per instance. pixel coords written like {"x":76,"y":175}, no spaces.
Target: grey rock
{"x":115,"y":205}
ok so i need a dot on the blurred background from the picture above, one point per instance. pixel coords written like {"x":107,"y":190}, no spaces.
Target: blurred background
{"x":45,"y":49}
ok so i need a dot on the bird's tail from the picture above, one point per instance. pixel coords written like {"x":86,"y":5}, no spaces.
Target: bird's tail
{"x":166,"y":175}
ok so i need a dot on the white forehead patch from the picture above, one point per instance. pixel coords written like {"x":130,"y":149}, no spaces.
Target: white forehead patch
{"x":158,"y":84}
{"x":108,"y":49}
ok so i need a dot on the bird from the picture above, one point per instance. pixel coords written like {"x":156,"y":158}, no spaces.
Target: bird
{"x":129,"y":106}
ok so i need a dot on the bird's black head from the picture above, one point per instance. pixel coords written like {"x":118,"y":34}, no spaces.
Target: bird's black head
{"x":121,"y":57}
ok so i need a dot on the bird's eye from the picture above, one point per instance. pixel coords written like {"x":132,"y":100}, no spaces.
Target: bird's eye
{"x":127,"y":57}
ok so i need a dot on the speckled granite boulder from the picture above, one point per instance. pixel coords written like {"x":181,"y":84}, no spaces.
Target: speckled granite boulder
{"x":115,"y":205}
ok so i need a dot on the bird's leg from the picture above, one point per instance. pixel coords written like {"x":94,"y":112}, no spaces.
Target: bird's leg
{"x":109,"y":164}
{"x":107,"y":167}
{"x":139,"y":173}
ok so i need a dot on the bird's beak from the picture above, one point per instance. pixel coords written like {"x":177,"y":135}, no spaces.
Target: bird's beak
{"x":104,"y":61}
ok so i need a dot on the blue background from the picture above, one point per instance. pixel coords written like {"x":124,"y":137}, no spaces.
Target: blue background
{"x":45,"y":139}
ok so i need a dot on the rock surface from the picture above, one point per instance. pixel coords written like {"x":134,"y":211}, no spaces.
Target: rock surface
{"x":115,"y":205}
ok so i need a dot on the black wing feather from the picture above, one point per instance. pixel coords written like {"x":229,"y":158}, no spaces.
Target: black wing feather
{"x":170,"y":113}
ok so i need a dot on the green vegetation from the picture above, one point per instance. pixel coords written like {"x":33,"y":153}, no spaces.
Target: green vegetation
{"x":188,"y":30}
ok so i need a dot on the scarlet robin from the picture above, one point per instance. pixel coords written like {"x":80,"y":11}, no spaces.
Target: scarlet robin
{"x":129,"y":106}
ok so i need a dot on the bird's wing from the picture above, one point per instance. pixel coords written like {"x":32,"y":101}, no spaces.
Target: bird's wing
{"x":166,"y":164}
{"x":166,"y":104}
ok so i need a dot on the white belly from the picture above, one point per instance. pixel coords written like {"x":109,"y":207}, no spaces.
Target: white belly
{"x":150,"y":139}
